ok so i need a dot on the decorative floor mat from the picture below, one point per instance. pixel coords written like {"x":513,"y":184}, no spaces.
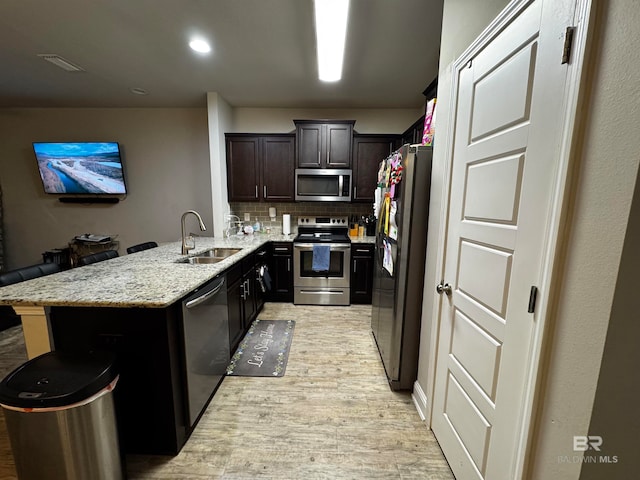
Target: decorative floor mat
{"x":264,"y":350}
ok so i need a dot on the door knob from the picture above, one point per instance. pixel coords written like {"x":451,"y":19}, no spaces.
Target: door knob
{"x":444,"y":288}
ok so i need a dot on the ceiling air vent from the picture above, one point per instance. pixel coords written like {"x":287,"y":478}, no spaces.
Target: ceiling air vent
{"x":58,"y":61}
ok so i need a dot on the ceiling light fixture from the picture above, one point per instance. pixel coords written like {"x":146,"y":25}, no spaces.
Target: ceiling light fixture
{"x":331,"y":31}
{"x":58,"y":61}
{"x":199,"y":45}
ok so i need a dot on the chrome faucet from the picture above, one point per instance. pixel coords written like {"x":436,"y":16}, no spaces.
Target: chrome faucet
{"x":185,"y":247}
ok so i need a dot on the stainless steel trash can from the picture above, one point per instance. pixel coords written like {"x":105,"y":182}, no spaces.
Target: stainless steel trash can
{"x":60,"y":417}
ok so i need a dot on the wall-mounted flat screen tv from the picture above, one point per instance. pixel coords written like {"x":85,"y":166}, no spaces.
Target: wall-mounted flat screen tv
{"x":86,"y":168}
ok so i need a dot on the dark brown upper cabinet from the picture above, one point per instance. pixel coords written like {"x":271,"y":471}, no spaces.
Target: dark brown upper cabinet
{"x":368,"y":152}
{"x":260,"y":167}
{"x":324,"y":143}
{"x":413,"y":134}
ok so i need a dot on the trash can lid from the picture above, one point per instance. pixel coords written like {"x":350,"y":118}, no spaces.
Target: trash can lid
{"x":58,"y":378}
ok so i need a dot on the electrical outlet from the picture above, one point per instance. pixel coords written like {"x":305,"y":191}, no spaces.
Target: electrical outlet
{"x":247,"y":217}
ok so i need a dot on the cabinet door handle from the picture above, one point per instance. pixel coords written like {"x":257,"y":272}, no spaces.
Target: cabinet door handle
{"x":256,"y":191}
{"x":360,"y":250}
{"x":318,"y":157}
{"x":248,"y":291}
{"x":288,"y":264}
{"x":281,"y":249}
{"x":355,"y":192}
{"x":354,"y":266}
{"x":264,"y":191}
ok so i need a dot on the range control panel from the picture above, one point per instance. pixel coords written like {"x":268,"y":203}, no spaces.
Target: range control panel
{"x":323,"y":221}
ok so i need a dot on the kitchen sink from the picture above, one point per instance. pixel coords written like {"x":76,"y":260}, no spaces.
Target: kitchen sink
{"x":199,"y":260}
{"x":218,"y":253}
{"x":214,"y":255}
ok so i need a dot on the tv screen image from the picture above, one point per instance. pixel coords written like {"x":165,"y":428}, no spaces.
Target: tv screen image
{"x":80,"y":168}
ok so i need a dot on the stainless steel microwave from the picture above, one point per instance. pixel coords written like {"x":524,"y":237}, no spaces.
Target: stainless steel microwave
{"x":323,"y":185}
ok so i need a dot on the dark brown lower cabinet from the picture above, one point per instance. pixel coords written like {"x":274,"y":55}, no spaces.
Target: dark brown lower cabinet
{"x":149,"y":396}
{"x":249,"y":283}
{"x":361,"y":273}
{"x":281,"y":270}
{"x":235,"y":302}
{"x":245,"y":299}
{"x":262,"y":259}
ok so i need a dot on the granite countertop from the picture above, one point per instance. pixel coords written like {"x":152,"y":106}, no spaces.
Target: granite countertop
{"x":371,"y":240}
{"x":151,"y":278}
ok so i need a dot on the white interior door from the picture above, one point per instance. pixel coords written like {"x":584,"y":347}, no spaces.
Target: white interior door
{"x":505,"y":160}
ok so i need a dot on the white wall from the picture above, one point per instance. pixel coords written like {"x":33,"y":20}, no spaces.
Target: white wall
{"x":615,"y":415}
{"x":166,"y":160}
{"x":220,"y":116}
{"x":605,"y":181}
{"x":368,"y":120}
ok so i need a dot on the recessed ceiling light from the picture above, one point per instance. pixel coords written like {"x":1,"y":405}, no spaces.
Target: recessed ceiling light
{"x":331,"y":31}
{"x":138,"y":91}
{"x":199,"y":45}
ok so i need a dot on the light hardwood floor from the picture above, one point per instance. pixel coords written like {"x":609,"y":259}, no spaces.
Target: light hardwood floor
{"x":332,"y":416}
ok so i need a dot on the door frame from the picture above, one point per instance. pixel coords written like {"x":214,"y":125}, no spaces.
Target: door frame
{"x":551,"y":276}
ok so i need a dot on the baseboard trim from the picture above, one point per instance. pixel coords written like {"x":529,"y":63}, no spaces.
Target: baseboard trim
{"x":419,"y":400}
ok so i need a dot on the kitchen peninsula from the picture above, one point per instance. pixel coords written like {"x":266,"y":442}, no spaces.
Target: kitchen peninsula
{"x":133,"y":305}
{"x":153,"y":278}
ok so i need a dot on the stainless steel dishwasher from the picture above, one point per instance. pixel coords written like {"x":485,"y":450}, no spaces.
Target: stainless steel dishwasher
{"x":206,"y":343}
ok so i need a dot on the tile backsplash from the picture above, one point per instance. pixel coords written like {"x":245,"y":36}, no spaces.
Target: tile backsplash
{"x":298,"y":209}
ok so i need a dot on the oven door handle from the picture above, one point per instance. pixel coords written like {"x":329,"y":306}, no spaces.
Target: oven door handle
{"x":332,"y":246}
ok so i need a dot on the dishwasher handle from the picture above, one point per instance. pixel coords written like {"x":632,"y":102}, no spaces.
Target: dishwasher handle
{"x":203,"y":298}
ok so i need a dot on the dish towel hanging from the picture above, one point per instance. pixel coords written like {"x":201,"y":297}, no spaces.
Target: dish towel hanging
{"x":264,"y":279}
{"x":321,"y":258}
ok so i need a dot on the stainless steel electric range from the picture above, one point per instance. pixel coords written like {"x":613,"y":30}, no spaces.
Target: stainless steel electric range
{"x":327,"y":284}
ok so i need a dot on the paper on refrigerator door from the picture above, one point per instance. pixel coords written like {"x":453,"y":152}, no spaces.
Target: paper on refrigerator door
{"x":387,"y":208}
{"x":387,"y":257}
{"x":393,"y":227}
{"x":377,"y":199}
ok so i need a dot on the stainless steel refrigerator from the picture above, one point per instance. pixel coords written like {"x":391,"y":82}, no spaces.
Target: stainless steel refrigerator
{"x":399,"y":265}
